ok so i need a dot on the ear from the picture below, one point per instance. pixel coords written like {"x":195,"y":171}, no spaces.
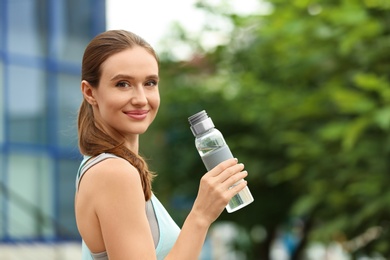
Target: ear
{"x":87,"y":91}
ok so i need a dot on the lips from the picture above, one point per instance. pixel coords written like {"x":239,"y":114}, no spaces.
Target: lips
{"x":137,"y":114}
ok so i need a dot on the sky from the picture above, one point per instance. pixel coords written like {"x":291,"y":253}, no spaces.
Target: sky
{"x":151,"y":19}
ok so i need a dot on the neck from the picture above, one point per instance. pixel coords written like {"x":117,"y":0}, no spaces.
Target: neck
{"x":132,"y":143}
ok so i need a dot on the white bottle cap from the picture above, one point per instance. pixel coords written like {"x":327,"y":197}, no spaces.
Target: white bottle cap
{"x":200,"y":123}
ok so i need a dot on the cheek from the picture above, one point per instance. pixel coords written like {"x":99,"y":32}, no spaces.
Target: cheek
{"x":156,"y":100}
{"x":111,"y":99}
{"x":108,"y":107}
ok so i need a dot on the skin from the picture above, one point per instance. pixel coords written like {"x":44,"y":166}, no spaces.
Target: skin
{"x":110,"y":200}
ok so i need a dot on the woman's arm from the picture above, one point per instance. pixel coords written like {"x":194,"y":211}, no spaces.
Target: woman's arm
{"x":111,"y":199}
{"x":112,"y":192}
{"x":213,"y":195}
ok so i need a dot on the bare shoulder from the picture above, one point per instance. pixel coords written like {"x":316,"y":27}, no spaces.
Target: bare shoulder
{"x":110,"y":170}
{"x":114,"y":165}
{"x":109,"y":177}
{"x":110,"y":201}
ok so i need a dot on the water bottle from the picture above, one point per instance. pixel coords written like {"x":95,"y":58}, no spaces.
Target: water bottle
{"x":213,"y":150}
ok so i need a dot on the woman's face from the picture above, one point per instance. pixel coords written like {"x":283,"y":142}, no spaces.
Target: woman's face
{"x":127,"y":98}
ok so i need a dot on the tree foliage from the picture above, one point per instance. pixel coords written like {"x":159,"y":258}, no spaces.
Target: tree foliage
{"x":302,"y":96}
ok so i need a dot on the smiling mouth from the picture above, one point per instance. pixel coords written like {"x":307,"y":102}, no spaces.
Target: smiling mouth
{"x":138,"y":115}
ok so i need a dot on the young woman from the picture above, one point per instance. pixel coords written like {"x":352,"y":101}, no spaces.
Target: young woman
{"x":117,"y":214}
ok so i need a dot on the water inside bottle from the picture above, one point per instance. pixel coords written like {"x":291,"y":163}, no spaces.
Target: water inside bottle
{"x":211,"y":160}
{"x":240,"y":200}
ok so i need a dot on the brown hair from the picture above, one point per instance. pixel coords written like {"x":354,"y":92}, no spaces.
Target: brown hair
{"x":92,"y":140}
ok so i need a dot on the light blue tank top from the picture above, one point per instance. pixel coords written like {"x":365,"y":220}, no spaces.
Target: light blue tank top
{"x":168,"y":231}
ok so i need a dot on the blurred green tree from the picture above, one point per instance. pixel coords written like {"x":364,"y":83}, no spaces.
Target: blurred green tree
{"x":302,"y":96}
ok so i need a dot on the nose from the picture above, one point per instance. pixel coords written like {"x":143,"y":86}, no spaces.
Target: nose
{"x":139,"y":97}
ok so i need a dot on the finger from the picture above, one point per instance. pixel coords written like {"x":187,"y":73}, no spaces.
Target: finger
{"x":223,"y":176}
{"x":235,"y":189}
{"x":222,"y":166}
{"x":235,"y":180}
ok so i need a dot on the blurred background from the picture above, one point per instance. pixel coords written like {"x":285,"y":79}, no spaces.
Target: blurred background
{"x":300,"y":89}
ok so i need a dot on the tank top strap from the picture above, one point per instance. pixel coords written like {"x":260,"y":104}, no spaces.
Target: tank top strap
{"x":88,"y":162}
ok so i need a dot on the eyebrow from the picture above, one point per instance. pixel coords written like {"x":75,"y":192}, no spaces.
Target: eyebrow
{"x":124,"y":76}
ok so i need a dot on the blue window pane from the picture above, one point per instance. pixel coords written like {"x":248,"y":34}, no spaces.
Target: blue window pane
{"x":2,"y":105}
{"x":66,"y":179}
{"x":3,"y":15}
{"x":78,"y":18}
{"x":69,"y":100}
{"x":30,"y":201}
{"x":27,"y":109}
{"x":3,"y":195}
{"x":27,"y":27}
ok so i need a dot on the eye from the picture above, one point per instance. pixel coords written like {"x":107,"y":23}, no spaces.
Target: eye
{"x":151,"y":83}
{"x":122,"y":84}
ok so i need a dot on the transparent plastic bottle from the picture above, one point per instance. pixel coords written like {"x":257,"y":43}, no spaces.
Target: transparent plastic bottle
{"x":213,"y":150}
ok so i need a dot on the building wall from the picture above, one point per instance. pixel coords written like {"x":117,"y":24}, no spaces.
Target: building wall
{"x":41,"y":47}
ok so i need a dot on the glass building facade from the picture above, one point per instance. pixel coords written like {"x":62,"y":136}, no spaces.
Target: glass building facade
{"x":41,"y":47}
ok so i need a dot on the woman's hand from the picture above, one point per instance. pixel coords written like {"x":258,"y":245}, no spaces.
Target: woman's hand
{"x":216,"y":189}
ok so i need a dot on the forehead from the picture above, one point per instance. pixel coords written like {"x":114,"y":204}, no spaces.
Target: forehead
{"x":132,"y":60}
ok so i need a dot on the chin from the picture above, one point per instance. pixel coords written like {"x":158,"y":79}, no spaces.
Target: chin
{"x":139,"y":131}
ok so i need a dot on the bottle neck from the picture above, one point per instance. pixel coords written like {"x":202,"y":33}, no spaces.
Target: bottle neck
{"x":202,"y":126}
{"x":206,"y":132}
